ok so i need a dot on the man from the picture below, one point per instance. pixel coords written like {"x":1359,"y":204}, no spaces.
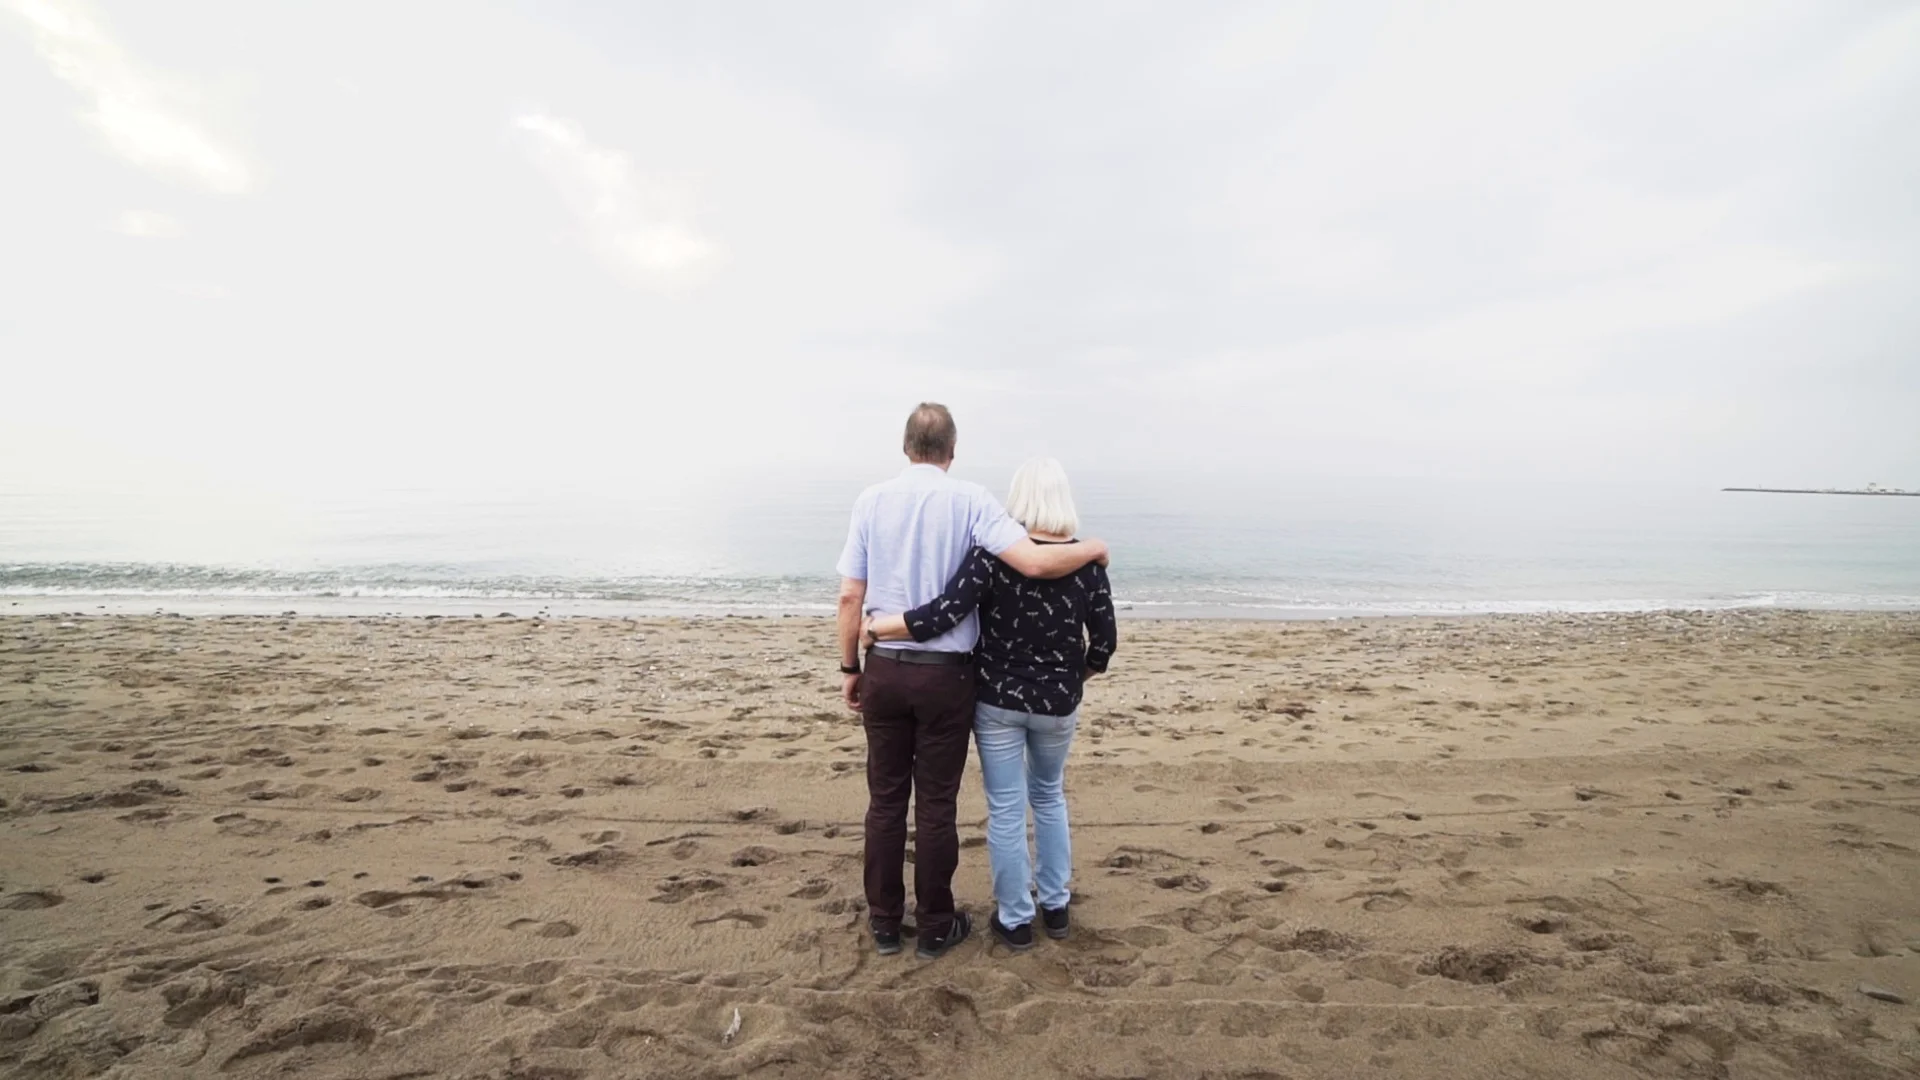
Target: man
{"x":909,"y":535}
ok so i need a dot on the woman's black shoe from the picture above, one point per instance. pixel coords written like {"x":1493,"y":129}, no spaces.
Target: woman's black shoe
{"x":1055,"y":920}
{"x":934,"y":948}
{"x":1019,"y":939}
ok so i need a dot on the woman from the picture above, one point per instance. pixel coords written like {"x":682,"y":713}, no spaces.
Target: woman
{"x":1032,"y":660}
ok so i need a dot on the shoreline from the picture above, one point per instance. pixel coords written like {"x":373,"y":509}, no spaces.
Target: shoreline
{"x":531,"y":607}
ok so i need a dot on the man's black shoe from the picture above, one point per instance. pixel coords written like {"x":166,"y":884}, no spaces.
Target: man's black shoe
{"x":1055,"y":920}
{"x":885,"y":942}
{"x":931,"y":948}
{"x":1019,"y":939}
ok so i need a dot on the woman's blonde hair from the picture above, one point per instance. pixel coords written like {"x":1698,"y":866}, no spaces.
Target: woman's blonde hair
{"x":1041,"y":499}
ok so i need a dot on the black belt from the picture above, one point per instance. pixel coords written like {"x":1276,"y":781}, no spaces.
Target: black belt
{"x":920,"y":656}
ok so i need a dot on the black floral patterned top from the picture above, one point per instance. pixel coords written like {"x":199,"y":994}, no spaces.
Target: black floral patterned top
{"x":1033,"y":654}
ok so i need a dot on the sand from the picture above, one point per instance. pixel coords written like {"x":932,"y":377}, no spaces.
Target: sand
{"x":1593,"y":846}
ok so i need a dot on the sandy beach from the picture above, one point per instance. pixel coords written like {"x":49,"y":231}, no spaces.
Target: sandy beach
{"x":1571,"y":846}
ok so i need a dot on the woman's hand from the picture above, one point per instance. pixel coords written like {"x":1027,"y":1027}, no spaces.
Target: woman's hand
{"x":880,"y":628}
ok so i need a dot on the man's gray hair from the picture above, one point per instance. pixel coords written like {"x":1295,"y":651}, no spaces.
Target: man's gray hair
{"x":930,"y":434}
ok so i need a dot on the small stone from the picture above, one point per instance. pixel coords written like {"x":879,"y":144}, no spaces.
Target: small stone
{"x":1881,"y":993}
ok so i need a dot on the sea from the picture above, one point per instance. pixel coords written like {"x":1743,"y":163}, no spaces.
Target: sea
{"x":1183,"y":547}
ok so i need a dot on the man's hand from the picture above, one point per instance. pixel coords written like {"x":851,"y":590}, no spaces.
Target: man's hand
{"x":1102,"y":545}
{"x":853,"y":598}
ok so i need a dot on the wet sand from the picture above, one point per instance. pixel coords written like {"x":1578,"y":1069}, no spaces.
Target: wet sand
{"x":1581,"y":846}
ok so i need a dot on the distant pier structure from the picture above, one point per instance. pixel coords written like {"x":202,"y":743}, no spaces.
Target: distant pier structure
{"x":1870,"y":489}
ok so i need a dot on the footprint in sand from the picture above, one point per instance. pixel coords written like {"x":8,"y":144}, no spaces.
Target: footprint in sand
{"x":1187,"y":882}
{"x":242,"y":825}
{"x":603,"y":856}
{"x":35,"y":900}
{"x":675,"y":889}
{"x":558,"y":928}
{"x":327,"y":1025}
{"x":1385,"y":900}
{"x":1495,"y":800}
{"x":744,"y":918}
{"x":1748,"y":888}
{"x":200,"y":916}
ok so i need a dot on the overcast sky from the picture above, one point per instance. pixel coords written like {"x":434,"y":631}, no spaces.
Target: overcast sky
{"x":469,"y":245}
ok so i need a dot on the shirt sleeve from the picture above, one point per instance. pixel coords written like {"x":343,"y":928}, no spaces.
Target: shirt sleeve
{"x":853,"y":557}
{"x":1103,"y":634}
{"x":993,"y":529}
{"x":963,"y":594}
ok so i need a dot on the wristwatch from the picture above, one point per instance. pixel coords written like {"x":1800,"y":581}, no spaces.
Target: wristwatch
{"x":849,"y":669}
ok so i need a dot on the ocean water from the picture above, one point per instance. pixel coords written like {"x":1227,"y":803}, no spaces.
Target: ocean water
{"x":1207,"y":547}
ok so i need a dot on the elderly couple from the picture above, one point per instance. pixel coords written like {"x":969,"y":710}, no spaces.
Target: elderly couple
{"x":924,"y":553}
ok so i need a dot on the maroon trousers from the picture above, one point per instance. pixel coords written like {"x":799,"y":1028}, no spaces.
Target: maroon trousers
{"x":918,"y":719}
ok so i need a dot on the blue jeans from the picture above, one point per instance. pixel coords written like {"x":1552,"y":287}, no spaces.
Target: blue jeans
{"x":1023,"y":762}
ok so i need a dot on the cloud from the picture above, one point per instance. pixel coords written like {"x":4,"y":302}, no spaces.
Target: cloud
{"x":640,"y":225}
{"x":1504,"y":348}
{"x":146,"y":118}
{"x":148,"y":225}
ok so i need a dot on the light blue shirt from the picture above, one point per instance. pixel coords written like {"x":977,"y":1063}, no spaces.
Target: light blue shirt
{"x":909,"y":536}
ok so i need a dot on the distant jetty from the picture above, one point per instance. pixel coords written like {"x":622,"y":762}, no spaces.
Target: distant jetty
{"x":1870,"y":489}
